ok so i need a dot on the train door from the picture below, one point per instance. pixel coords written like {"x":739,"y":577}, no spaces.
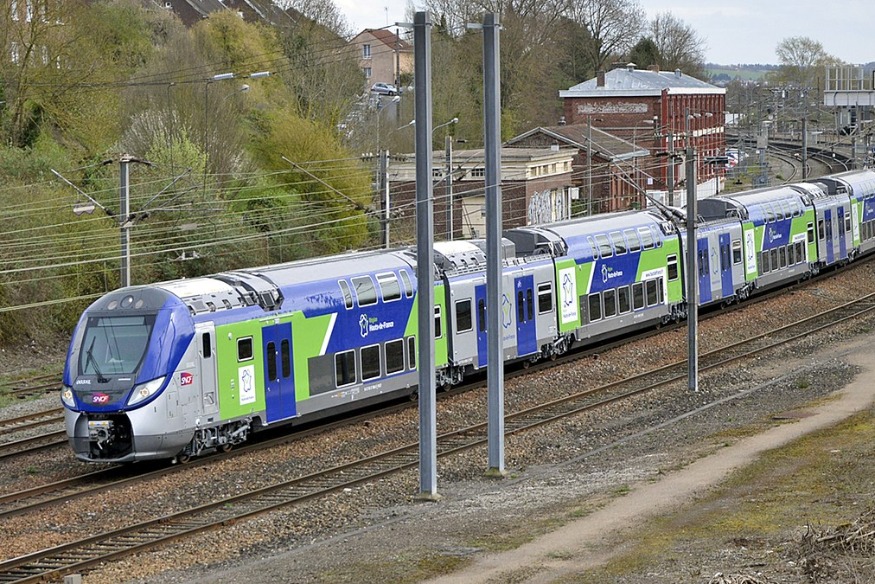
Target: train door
{"x":826,"y":236}
{"x":843,"y":234}
{"x":206,"y":345}
{"x":726,"y":265}
{"x":279,"y":380}
{"x":704,"y":266}
{"x":480,"y":303}
{"x":524,"y":288}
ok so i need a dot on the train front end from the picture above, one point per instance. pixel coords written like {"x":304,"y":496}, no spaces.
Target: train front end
{"x":119,"y":377}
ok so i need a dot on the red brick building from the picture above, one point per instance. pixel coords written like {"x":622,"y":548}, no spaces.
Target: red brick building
{"x":649,"y":108}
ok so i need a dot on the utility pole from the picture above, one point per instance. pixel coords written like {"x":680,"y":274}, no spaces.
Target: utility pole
{"x":448,"y":154}
{"x":425,"y":258}
{"x":124,"y":218}
{"x":692,"y":267}
{"x":804,"y":148}
{"x":384,"y":191}
{"x":670,"y":176}
{"x":494,"y":328}
{"x":588,"y":165}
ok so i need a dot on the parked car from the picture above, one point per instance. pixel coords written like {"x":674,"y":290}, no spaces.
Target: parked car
{"x":384,"y":89}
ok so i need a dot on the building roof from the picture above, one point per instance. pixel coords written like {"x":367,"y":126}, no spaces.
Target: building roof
{"x":605,"y":145}
{"x":629,"y":81}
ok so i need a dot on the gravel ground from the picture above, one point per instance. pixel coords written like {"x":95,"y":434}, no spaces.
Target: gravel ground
{"x":579,"y":464}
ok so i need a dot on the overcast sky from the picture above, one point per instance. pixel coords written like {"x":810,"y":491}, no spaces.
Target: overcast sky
{"x":735,"y":31}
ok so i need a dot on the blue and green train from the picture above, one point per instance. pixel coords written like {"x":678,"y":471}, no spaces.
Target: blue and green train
{"x":171,"y":370}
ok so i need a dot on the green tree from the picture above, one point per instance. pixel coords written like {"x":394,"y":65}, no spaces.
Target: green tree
{"x":644,"y":54}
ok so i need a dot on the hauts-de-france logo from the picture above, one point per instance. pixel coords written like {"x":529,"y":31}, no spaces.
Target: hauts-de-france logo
{"x":609,"y":273}
{"x":370,"y":324}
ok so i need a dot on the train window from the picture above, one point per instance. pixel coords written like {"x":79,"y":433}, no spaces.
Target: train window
{"x":438,"y":332}
{"x":463,"y":316}
{"x":660,"y":290}
{"x":545,"y":297}
{"x":592,"y":247}
{"x":765,"y":263}
{"x":774,"y":259}
{"x":530,"y":303}
{"x":652,"y":292}
{"x":800,"y":252}
{"x":637,"y":296}
{"x":347,"y":295}
{"x":206,"y":345}
{"x":811,"y":233}
{"x":657,"y":238}
{"x":724,"y":258}
{"x":405,"y":280}
{"x":481,"y":316}
{"x":270,"y":357}
{"x":389,"y":287}
{"x":605,"y":249}
{"x":632,"y":240}
{"x":821,"y":234}
{"x":672,"y":264}
{"x":848,"y":223}
{"x":703,"y":263}
{"x":370,"y":362}
{"x":394,"y":356}
{"x":619,"y":242}
{"x":623,"y":304}
{"x":244,"y":349}
{"x":344,"y":368}
{"x":595,"y":307}
{"x":646,"y":237}
{"x":520,"y":307}
{"x":411,"y":352}
{"x":782,"y":255}
{"x":736,"y":252}
{"x":791,"y":254}
{"x":364,"y":290}
{"x":286,"y":357}
{"x":770,"y":213}
{"x":610,"y":302}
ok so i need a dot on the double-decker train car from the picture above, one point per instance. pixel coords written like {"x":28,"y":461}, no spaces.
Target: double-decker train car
{"x":172,"y":369}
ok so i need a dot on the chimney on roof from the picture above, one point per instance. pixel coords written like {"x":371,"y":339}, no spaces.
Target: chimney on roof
{"x":630,"y":67}
{"x":600,"y":78}
{"x":654,"y":68}
{"x":677,"y":73}
{"x":561,"y":120}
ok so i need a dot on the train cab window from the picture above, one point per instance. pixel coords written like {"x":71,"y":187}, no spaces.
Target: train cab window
{"x":206,"y":346}
{"x":736,"y":252}
{"x":545,"y":298}
{"x":623,"y":304}
{"x":610,"y":303}
{"x":619,"y":242}
{"x":344,"y":368}
{"x":389,"y":287}
{"x":652,"y":290}
{"x":463,"y":316}
{"x":605,"y":249}
{"x":411,"y":352}
{"x":286,"y":358}
{"x":530,"y":304}
{"x":646,"y":237}
{"x":364,"y":290}
{"x":394,"y":356}
{"x":638,"y":296}
{"x":370,"y":362}
{"x":811,"y":233}
{"x":632,"y":240}
{"x":595,"y":307}
{"x":672,"y":264}
{"x":438,"y":331}
{"x":244,"y":349}
{"x":270,"y":357}
{"x":405,"y":280}
{"x":481,"y":316}
{"x":347,"y":295}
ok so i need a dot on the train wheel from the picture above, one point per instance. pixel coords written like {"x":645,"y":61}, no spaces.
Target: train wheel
{"x":224,"y":447}
{"x":183,"y":458}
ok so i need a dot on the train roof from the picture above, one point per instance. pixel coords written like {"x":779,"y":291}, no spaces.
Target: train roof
{"x":860,"y":183}
{"x":749,"y":203}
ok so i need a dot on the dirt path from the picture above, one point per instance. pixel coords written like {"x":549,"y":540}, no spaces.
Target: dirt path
{"x":595,"y":539}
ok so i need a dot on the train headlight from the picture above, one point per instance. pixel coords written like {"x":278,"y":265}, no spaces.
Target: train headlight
{"x":145,"y":390}
{"x":67,"y":397}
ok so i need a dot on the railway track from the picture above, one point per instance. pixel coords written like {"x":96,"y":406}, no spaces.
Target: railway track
{"x":91,"y":551}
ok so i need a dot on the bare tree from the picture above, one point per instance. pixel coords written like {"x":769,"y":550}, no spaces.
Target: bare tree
{"x":679,"y":46}
{"x":614,"y":26}
{"x":802,"y":60}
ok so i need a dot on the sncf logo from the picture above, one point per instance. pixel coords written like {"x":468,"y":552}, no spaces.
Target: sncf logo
{"x":99,"y":398}
{"x":186,"y":378}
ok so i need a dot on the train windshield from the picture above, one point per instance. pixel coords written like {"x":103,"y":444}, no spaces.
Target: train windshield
{"x":114,"y":345}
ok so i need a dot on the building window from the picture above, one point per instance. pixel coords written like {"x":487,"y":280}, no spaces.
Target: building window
{"x":366,"y":51}
{"x":478,"y":172}
{"x":367,"y":72}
